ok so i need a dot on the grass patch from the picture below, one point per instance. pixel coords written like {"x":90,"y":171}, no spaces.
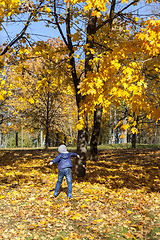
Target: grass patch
{"x":129,"y":146}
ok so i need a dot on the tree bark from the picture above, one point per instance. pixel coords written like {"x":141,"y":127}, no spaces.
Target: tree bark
{"x":47,"y":138}
{"x":47,"y":125}
{"x":110,"y":128}
{"x":41,"y":136}
{"x":95,"y":134}
{"x":16,"y":139}
{"x":134,"y":140}
{"x":80,"y":167}
{"x":0,"y":137}
{"x":124,"y":140}
{"x":88,"y":68}
{"x":134,"y":135}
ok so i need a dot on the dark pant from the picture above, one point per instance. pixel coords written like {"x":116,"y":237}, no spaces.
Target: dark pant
{"x":67,"y":173}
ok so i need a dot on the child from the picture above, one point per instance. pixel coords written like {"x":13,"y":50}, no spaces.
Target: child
{"x":64,"y":168}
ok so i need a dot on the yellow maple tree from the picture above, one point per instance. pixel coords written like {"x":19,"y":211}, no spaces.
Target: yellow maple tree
{"x":42,"y":95}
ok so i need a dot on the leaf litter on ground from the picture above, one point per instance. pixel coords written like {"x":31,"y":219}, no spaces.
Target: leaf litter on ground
{"x":119,"y":198}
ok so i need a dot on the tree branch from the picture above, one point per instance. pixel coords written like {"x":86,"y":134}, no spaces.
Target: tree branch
{"x":58,"y":25}
{"x":71,"y":51}
{"x":20,"y":35}
{"x":115,"y":16}
{"x":111,"y":14}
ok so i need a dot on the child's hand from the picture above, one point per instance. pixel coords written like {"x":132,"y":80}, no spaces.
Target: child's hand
{"x":50,"y":163}
{"x":78,"y":156}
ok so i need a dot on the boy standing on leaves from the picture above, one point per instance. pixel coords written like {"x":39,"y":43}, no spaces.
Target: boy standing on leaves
{"x":64,"y":168}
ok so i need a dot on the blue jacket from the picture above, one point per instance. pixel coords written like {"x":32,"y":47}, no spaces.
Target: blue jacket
{"x":64,"y":160}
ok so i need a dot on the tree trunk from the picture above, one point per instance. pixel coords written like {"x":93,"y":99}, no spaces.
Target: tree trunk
{"x":16,"y":139}
{"x":114,"y":125}
{"x":47,"y":125}
{"x":22,"y":137}
{"x":57,"y":142}
{"x":110,"y":128}
{"x":80,"y":167}
{"x":6,"y":140}
{"x":47,"y":137}
{"x":41,"y":136}
{"x":88,"y":68}
{"x":95,"y":134}
{"x":134,"y":135}
{"x":0,"y":138}
{"x":124,"y":140}
{"x":134,"y":140}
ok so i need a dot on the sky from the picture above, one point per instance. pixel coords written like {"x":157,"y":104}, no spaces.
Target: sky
{"x":45,"y":32}
{"x":38,"y":30}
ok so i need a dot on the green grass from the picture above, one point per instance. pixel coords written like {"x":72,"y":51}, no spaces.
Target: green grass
{"x":128,"y":146}
{"x":103,"y":146}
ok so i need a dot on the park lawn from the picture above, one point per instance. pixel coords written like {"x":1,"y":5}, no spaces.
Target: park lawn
{"x":118,"y":199}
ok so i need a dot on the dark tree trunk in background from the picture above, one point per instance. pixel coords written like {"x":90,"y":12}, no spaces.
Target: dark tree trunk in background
{"x":16,"y":139}
{"x":134,"y":140}
{"x":134,"y":135}
{"x":47,"y":138}
{"x":95,"y":134}
{"x":47,"y":123}
{"x":57,"y":142}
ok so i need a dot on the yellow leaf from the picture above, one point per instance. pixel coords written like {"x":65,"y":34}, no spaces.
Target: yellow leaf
{"x":84,"y":206}
{"x":134,"y":123}
{"x":31,"y":100}
{"x":48,"y":10}
{"x":128,"y":235}
{"x":49,"y":203}
{"x":134,"y":130}
{"x":98,"y":220}
{"x":129,"y":211}
{"x":122,"y":135}
{"x":3,"y":82}
{"x":79,"y":126}
{"x":76,"y":216}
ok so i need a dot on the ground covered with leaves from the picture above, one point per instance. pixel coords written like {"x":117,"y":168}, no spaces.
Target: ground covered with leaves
{"x":118,"y":199}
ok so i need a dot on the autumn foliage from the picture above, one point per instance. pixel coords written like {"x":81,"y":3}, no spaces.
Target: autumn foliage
{"x":121,"y":76}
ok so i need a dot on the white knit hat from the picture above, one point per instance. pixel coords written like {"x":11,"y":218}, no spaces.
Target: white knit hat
{"x":62,"y":149}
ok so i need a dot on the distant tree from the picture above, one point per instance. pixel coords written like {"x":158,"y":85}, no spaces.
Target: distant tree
{"x":40,"y":90}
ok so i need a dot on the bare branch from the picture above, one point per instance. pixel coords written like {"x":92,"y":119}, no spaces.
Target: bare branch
{"x":21,"y":34}
{"x":58,"y":25}
{"x":115,"y":16}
